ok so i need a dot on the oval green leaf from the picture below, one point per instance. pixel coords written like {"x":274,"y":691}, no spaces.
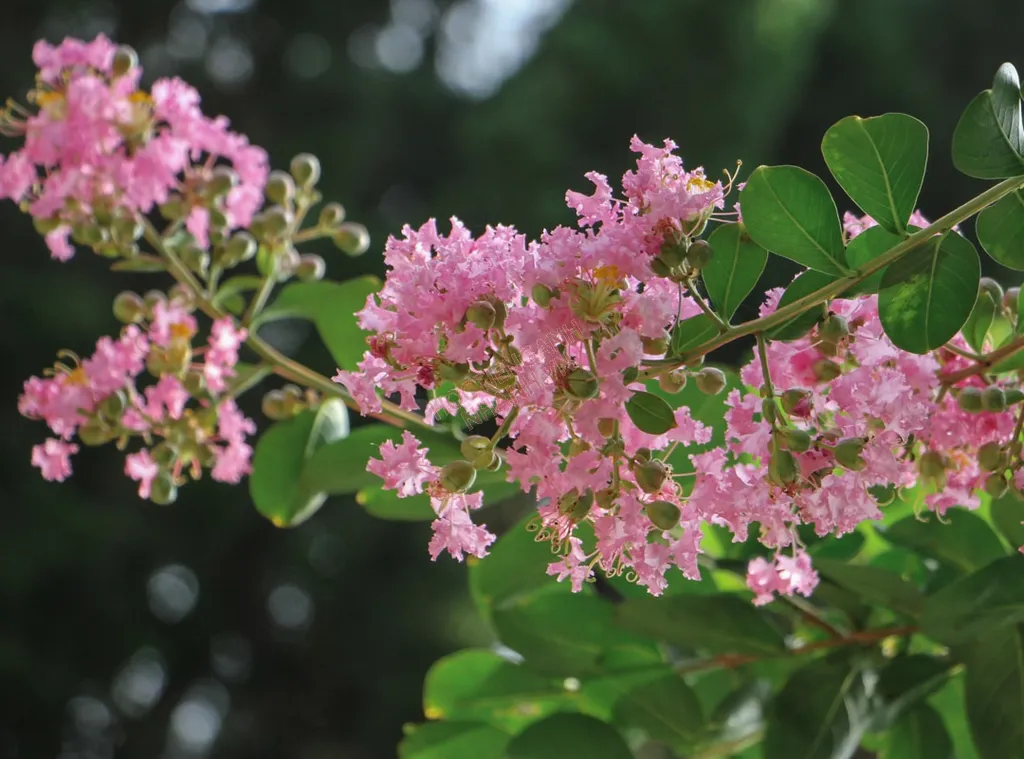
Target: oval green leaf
{"x":862,"y":250}
{"x":789,"y":211}
{"x":880,"y":163}
{"x":963,"y":539}
{"x":873,"y":585}
{"x":1000,"y":229}
{"x":650,"y":413}
{"x":904,"y":683}
{"x":994,"y":691}
{"x":927,"y":296}
{"x":568,"y":735}
{"x":733,"y":271}
{"x":975,"y":331}
{"x":665,"y":709}
{"x":967,"y":608}
{"x":806,"y":282}
{"x":920,"y":734}
{"x":454,"y":740}
{"x":1008,"y":515}
{"x":988,"y":142}
{"x":690,"y":333}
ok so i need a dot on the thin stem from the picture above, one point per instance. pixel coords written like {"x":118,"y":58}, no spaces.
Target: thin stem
{"x":506,"y":424}
{"x":810,"y":614}
{"x":985,"y":362}
{"x":282,"y":365}
{"x":719,"y":322}
{"x":260,"y":299}
{"x":591,"y":357}
{"x":762,"y":353}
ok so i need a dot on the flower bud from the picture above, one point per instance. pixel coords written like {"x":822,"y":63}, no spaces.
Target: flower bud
{"x":311,"y":268}
{"x":672,"y":254}
{"x":453,"y":372}
{"x":474,"y":445}
{"x":305,"y":167}
{"x":164,"y":454}
{"x":94,"y":433}
{"x":194,"y":382}
{"x":87,"y":233}
{"x":575,"y":506}
{"x":848,"y":453}
{"x":782,"y":468}
{"x":163,"y":491}
{"x":113,"y":406}
{"x":280,"y":188}
{"x":125,"y":59}
{"x":196,"y":259}
{"x":241,"y":247}
{"x":650,"y":475}
{"x":794,"y":400}
{"x":274,"y":221}
{"x":699,"y":254}
{"x":222,"y":181}
{"x":642,"y":454}
{"x":672,"y":382}
{"x":352,"y":239}
{"x":995,"y":485}
{"x":932,"y":466}
{"x":769,"y":411}
{"x":993,"y":399}
{"x":542,"y":295}
{"x":654,"y":346}
{"x":497,"y":459}
{"x":970,"y":399}
{"x":834,"y":329}
{"x":275,"y":406}
{"x":126,"y":229}
{"x":331,"y":215}
{"x":129,"y":308}
{"x":710,"y":381}
{"x":582,"y":384}
{"x":826,"y":370}
{"x":630,"y":375}
{"x":606,"y":426}
{"x":795,"y":440}
{"x":663,"y":514}
{"x":458,"y":476}
{"x":993,"y":288}
{"x":992,"y":457}
{"x":481,"y":314}
{"x":178,"y":356}
{"x":1010,"y":300}
{"x":660,"y":268}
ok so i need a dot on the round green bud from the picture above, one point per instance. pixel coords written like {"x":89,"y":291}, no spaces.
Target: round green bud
{"x":44,"y":226}
{"x":932,"y":465}
{"x":834,"y":329}
{"x":331,"y":215}
{"x":484,"y":460}
{"x":113,"y":406}
{"x":178,"y":356}
{"x":94,"y":433}
{"x":126,"y":229}
{"x":793,"y":398}
{"x":993,"y":288}
{"x":87,"y":233}
{"x":660,"y":268}
{"x":497,"y":459}
{"x":606,"y":426}
{"x":783,"y":468}
{"x":1010,"y":300}
{"x":769,"y":411}
{"x":173,"y":208}
{"x":605,"y":498}
{"x":542,"y":295}
{"x":663,"y":514}
{"x":275,"y":406}
{"x":276,"y":221}
{"x":848,"y":453}
{"x":222,"y":181}
{"x":995,"y":485}
{"x":196,"y":259}
{"x":129,"y":308}
{"x":474,"y":445}
{"x":630,"y":375}
{"x":993,"y":399}
{"x":311,"y":268}
{"x":305,"y":167}
{"x":672,"y":255}
{"x":826,"y":370}
{"x":970,"y":399}
{"x":710,"y":381}
{"x":650,"y":475}
{"x":642,"y":454}
{"x":163,"y":491}
{"x":352,"y":239}
{"x":125,"y":59}
{"x":699,"y":254}
{"x":164,"y":454}
{"x":194,"y":382}
{"x":241,"y":247}
{"x":795,"y":440}
{"x":992,"y":457}
{"x":458,"y":476}
{"x":582,"y":384}
{"x":482,"y":314}
{"x":453,"y":372}
{"x":280,"y":188}
{"x":1013,"y":396}
{"x":672,"y":382}
{"x":580,"y":507}
{"x":655,"y":346}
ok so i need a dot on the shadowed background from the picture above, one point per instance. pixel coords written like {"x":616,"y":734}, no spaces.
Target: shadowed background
{"x":196,"y":630}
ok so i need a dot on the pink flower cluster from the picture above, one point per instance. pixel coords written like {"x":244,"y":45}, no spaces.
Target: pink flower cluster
{"x":99,"y":399}
{"x":98,"y":144}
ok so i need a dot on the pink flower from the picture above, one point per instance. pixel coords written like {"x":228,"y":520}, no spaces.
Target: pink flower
{"x":141,"y":468}
{"x":53,"y":458}
{"x":404,"y":468}
{"x":232,"y":462}
{"x":455,"y":532}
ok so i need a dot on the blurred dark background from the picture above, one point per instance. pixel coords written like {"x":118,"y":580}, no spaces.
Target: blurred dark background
{"x":136,"y":631}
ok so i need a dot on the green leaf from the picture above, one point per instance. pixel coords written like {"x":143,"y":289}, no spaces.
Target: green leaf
{"x":568,"y":735}
{"x":990,"y":598}
{"x":331,"y":306}
{"x":966,"y":541}
{"x":650,"y":413}
{"x":975,"y":331}
{"x":904,"y":683}
{"x":340,"y":467}
{"x":920,"y":734}
{"x":454,"y":740}
{"x":142,"y":264}
{"x":862,"y":250}
{"x":806,"y":282}
{"x":949,"y":703}
{"x":280,"y":457}
{"x":988,"y":142}
{"x":480,"y":685}
{"x":994,"y":691}
{"x":873,"y":585}
{"x":880,"y":163}
{"x":1000,"y":229}
{"x":734,"y":269}
{"x":236,"y":286}
{"x":819,"y":714}
{"x":718,"y":623}
{"x":690,"y":333}
{"x":665,"y":709}
{"x":386,"y":504}
{"x":790,"y":212}
{"x":1008,"y":514}
{"x":741,"y":713}
{"x":927,"y":296}
{"x":1014,"y":361}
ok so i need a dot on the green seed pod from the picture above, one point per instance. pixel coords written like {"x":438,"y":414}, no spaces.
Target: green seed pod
{"x":710,"y":381}
{"x":311,"y":268}
{"x":795,"y":440}
{"x":580,"y":507}
{"x":179,"y":356}
{"x":993,"y":288}
{"x":458,"y":476}
{"x":276,"y":221}
{"x":240,"y":248}
{"x":793,"y":398}
{"x":129,"y":308}
{"x":87,"y":233}
{"x":163,"y":491}
{"x":995,"y":485}
{"x":970,"y":399}
{"x":275,"y":406}
{"x":650,"y":475}
{"x":481,"y":314}
{"x":125,"y":60}
{"x":305,"y":167}
{"x":659,"y":268}
{"x":992,"y":457}
{"x":655,"y":346}
{"x":196,"y":259}
{"x":94,"y":433}
{"x":932,"y":465}
{"x":993,"y":399}
{"x":194,"y":382}
{"x":606,"y":426}
{"x":663,"y":514}
{"x":672,"y":255}
{"x":848,"y":453}
{"x":453,"y":372}
{"x":582,"y":384}
{"x":173,"y":208}
{"x":630,"y":375}
{"x":331,"y":215}
{"x":1010,"y":300}
{"x":542,"y":295}
{"x":567,"y":501}
{"x":673,"y":382}
{"x":605,"y":498}
{"x":164,"y":454}
{"x":280,"y":188}
{"x":113,"y":406}
{"x":826,"y":370}
{"x":783,"y":468}
{"x":474,"y":445}
{"x":834,"y":329}
{"x":699,"y":254}
{"x":352,"y":239}
{"x":769,"y":411}
{"x":497,"y":460}
{"x":223,"y":180}
{"x":1013,"y":396}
